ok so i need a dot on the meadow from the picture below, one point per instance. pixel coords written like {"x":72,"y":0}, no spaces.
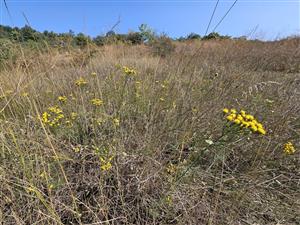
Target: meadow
{"x":207,"y":134}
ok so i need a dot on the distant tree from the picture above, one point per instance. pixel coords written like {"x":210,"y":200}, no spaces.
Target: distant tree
{"x":81,"y":40}
{"x":15,"y":35}
{"x":215,"y":35}
{"x":135,"y":38}
{"x":193,"y":36}
{"x":99,"y":40}
{"x":27,"y":33}
{"x":147,"y":33}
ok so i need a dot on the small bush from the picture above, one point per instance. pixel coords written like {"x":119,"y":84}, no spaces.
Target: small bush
{"x":135,"y":38}
{"x":7,"y":51}
{"x":162,"y":46}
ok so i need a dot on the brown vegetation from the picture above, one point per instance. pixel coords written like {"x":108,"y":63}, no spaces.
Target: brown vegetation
{"x":158,"y":150}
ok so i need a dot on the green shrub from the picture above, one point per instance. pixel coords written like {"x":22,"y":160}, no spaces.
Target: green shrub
{"x":135,"y":38}
{"x":7,"y":51}
{"x":215,"y":35}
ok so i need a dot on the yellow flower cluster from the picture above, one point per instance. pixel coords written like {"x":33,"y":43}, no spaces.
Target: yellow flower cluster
{"x":289,"y":148}
{"x":53,"y":117}
{"x":129,"y":71}
{"x":116,"y":122}
{"x":62,"y":99}
{"x":244,"y":120}
{"x":81,"y":82}
{"x":106,"y":163}
{"x":96,"y":102}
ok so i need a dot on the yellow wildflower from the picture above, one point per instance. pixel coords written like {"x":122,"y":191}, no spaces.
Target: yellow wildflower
{"x":62,"y":98}
{"x":239,"y":117}
{"x":237,"y":121}
{"x":45,"y":117}
{"x":106,"y":164}
{"x":225,"y":110}
{"x":253,"y":128}
{"x":96,"y":101}
{"x":230,"y":118}
{"x":81,"y":82}
{"x":289,"y":148}
{"x":261,"y":130}
{"x":129,"y":71}
{"x":116,"y":122}
{"x":233,"y":111}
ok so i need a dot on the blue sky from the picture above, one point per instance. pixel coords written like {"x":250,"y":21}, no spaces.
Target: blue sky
{"x":271,"y":18}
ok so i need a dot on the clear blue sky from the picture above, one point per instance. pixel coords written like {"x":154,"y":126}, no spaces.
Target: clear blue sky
{"x":272,"y":18}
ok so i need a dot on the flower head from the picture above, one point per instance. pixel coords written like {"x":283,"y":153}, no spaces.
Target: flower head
{"x":81,"y":82}
{"x":129,"y":71}
{"x":289,"y":148}
{"x":225,"y":110}
{"x":116,"y":121}
{"x":62,"y":99}
{"x":96,"y":102}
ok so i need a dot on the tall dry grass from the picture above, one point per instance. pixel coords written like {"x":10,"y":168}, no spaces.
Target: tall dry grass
{"x":175,"y":159}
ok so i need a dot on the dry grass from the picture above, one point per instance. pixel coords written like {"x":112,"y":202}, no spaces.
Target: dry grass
{"x":164,"y":171}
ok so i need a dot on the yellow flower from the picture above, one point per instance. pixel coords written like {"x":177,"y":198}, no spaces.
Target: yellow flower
{"x":45,"y":117}
{"x":53,"y":117}
{"x":62,"y":98}
{"x":246,"y":124}
{"x":233,"y":115}
{"x":96,"y":101}
{"x":243,"y":112}
{"x":99,"y":121}
{"x":81,"y":82}
{"x":259,"y":125}
{"x":261,"y":130}
{"x":233,"y":111}
{"x":129,"y":71}
{"x":253,"y":128}
{"x":239,"y":117}
{"x":237,"y":121}
{"x":55,"y":109}
{"x":249,"y":117}
{"x":230,"y":118}
{"x":289,"y":148}
{"x":106,"y":164}
{"x":225,"y":110}
{"x":116,"y":122}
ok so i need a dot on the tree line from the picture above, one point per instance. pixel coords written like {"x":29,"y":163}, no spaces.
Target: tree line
{"x":145,"y":34}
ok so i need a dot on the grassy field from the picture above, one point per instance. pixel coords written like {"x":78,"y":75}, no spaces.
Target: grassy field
{"x":117,"y":135}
